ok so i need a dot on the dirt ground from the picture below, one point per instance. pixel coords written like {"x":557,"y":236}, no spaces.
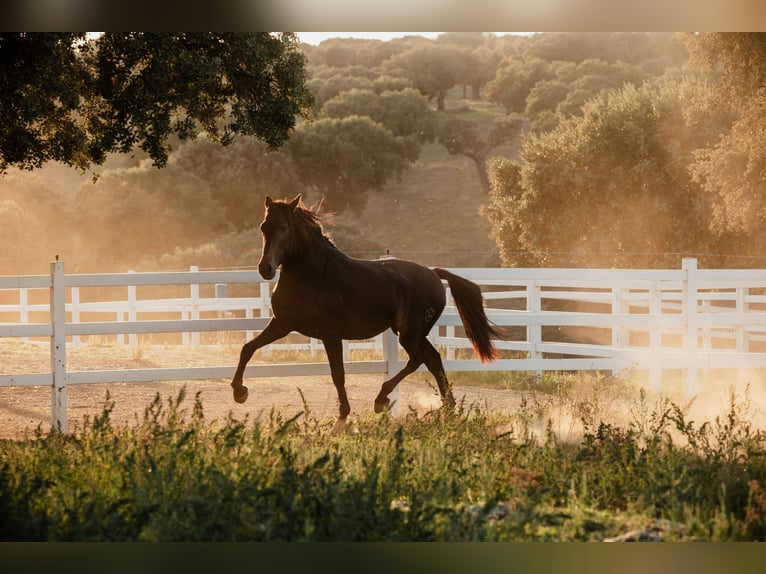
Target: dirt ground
{"x":23,"y":409}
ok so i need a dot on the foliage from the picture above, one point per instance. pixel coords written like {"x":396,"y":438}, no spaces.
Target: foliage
{"x":706,"y":154}
{"x":403,"y":113}
{"x":465,"y":137}
{"x":347,"y":52}
{"x":737,"y":59}
{"x":631,"y":48}
{"x":464,"y":476}
{"x":239,"y":176}
{"x":344,"y":158}
{"x":731,"y":169}
{"x":42,"y":82}
{"x":432,"y":69}
{"x":513,"y":82}
{"x":611,"y":185}
{"x":75,"y":99}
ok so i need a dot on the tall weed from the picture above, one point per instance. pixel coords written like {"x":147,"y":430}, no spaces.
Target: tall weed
{"x":467,"y":475}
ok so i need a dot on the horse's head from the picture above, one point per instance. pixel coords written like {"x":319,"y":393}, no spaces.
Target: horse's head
{"x":277,"y":229}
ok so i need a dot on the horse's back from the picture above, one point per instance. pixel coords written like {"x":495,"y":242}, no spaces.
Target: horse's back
{"x":409,"y":274}
{"x":418,"y":286}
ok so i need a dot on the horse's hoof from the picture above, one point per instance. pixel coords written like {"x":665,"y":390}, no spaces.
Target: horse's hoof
{"x":340,"y":426}
{"x":382,"y":406}
{"x":240,"y":394}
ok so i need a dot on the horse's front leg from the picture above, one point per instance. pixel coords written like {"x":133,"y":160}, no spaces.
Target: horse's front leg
{"x":334,"y":349}
{"x":273,"y":331}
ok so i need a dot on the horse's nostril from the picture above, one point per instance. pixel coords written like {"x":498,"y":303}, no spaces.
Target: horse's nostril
{"x":266,"y":271}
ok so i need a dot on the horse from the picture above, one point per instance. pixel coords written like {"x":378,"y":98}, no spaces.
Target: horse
{"x":325,"y":294}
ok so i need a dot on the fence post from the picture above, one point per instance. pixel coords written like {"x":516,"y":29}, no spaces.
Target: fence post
{"x":391,"y":358}
{"x":450,"y":329}
{"x":194,"y":296}
{"x":132,"y":313}
{"x":76,"y":313}
{"x":24,"y":307}
{"x":620,"y":335}
{"x":689,"y":266}
{"x":740,"y":336}
{"x":221,"y":292}
{"x":655,"y":335}
{"x":58,"y":345}
{"x":534,"y":332}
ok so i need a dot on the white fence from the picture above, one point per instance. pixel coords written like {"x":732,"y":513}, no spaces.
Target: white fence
{"x":686,"y":320}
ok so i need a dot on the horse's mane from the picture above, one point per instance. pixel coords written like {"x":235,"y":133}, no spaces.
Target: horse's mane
{"x":312,"y":221}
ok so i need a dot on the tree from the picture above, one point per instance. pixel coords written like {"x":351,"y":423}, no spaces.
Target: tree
{"x":432,"y":69}
{"x":739,"y":58}
{"x":465,"y":137}
{"x":74,"y":99}
{"x":239,"y":176}
{"x":403,"y":112}
{"x":733,"y":172}
{"x":513,"y":82}
{"x":354,"y":102}
{"x":325,"y":89}
{"x":345,"y":158}
{"x":631,"y":48}
{"x":42,"y":79}
{"x":732,"y":169}
{"x":609,"y":188}
{"x":545,"y":96}
{"x":345,"y":52}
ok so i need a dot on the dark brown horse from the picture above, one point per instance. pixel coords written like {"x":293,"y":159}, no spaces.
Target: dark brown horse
{"x":325,"y":294}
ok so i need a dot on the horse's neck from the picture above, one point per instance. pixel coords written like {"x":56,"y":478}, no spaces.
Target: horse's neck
{"x":312,"y":260}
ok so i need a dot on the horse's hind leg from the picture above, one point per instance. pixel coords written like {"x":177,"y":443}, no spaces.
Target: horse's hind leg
{"x":382,"y":402}
{"x":433,"y":361}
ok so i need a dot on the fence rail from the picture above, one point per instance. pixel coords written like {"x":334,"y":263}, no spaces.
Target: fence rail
{"x":687,"y":319}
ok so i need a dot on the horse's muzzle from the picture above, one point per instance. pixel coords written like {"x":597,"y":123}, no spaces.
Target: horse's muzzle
{"x":267,"y":272}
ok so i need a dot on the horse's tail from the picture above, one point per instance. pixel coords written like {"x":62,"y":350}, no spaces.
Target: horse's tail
{"x":470,"y":305}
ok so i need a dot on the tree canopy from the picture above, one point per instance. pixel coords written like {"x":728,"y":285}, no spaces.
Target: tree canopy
{"x":732,"y":169}
{"x":74,"y":99}
{"x":607,"y":144}
{"x":344,"y":158}
{"x":609,"y":186}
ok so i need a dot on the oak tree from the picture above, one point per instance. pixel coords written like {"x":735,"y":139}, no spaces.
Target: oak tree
{"x":74,"y":99}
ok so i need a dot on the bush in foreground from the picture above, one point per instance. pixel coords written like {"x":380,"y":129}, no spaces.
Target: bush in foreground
{"x":463,"y":476}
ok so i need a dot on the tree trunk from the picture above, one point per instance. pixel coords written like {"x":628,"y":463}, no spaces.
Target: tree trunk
{"x":481,"y":170}
{"x":440,"y":101}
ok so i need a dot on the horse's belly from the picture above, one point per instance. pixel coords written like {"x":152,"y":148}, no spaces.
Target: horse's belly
{"x":352,"y":327}
{"x":357,"y":334}
{"x":354,"y":333}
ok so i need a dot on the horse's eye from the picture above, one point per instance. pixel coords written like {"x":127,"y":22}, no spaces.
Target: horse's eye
{"x":270,"y":226}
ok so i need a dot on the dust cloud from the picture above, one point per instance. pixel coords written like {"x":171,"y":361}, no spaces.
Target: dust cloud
{"x":719,"y":402}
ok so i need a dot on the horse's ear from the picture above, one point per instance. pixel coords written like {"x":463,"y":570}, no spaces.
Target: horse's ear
{"x":295,"y":202}
{"x":269,"y":201}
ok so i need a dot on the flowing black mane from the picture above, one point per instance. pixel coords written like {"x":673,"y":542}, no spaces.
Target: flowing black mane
{"x":312,"y":222}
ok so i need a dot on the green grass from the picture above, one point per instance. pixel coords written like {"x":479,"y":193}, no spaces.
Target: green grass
{"x":443,"y":476}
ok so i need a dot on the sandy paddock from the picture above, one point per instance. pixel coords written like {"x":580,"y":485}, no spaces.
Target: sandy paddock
{"x":22,"y":409}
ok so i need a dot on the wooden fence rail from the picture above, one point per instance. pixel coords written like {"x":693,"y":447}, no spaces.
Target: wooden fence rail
{"x":689,"y":320}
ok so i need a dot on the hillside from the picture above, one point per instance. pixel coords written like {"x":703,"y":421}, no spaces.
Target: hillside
{"x":430,"y":216}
